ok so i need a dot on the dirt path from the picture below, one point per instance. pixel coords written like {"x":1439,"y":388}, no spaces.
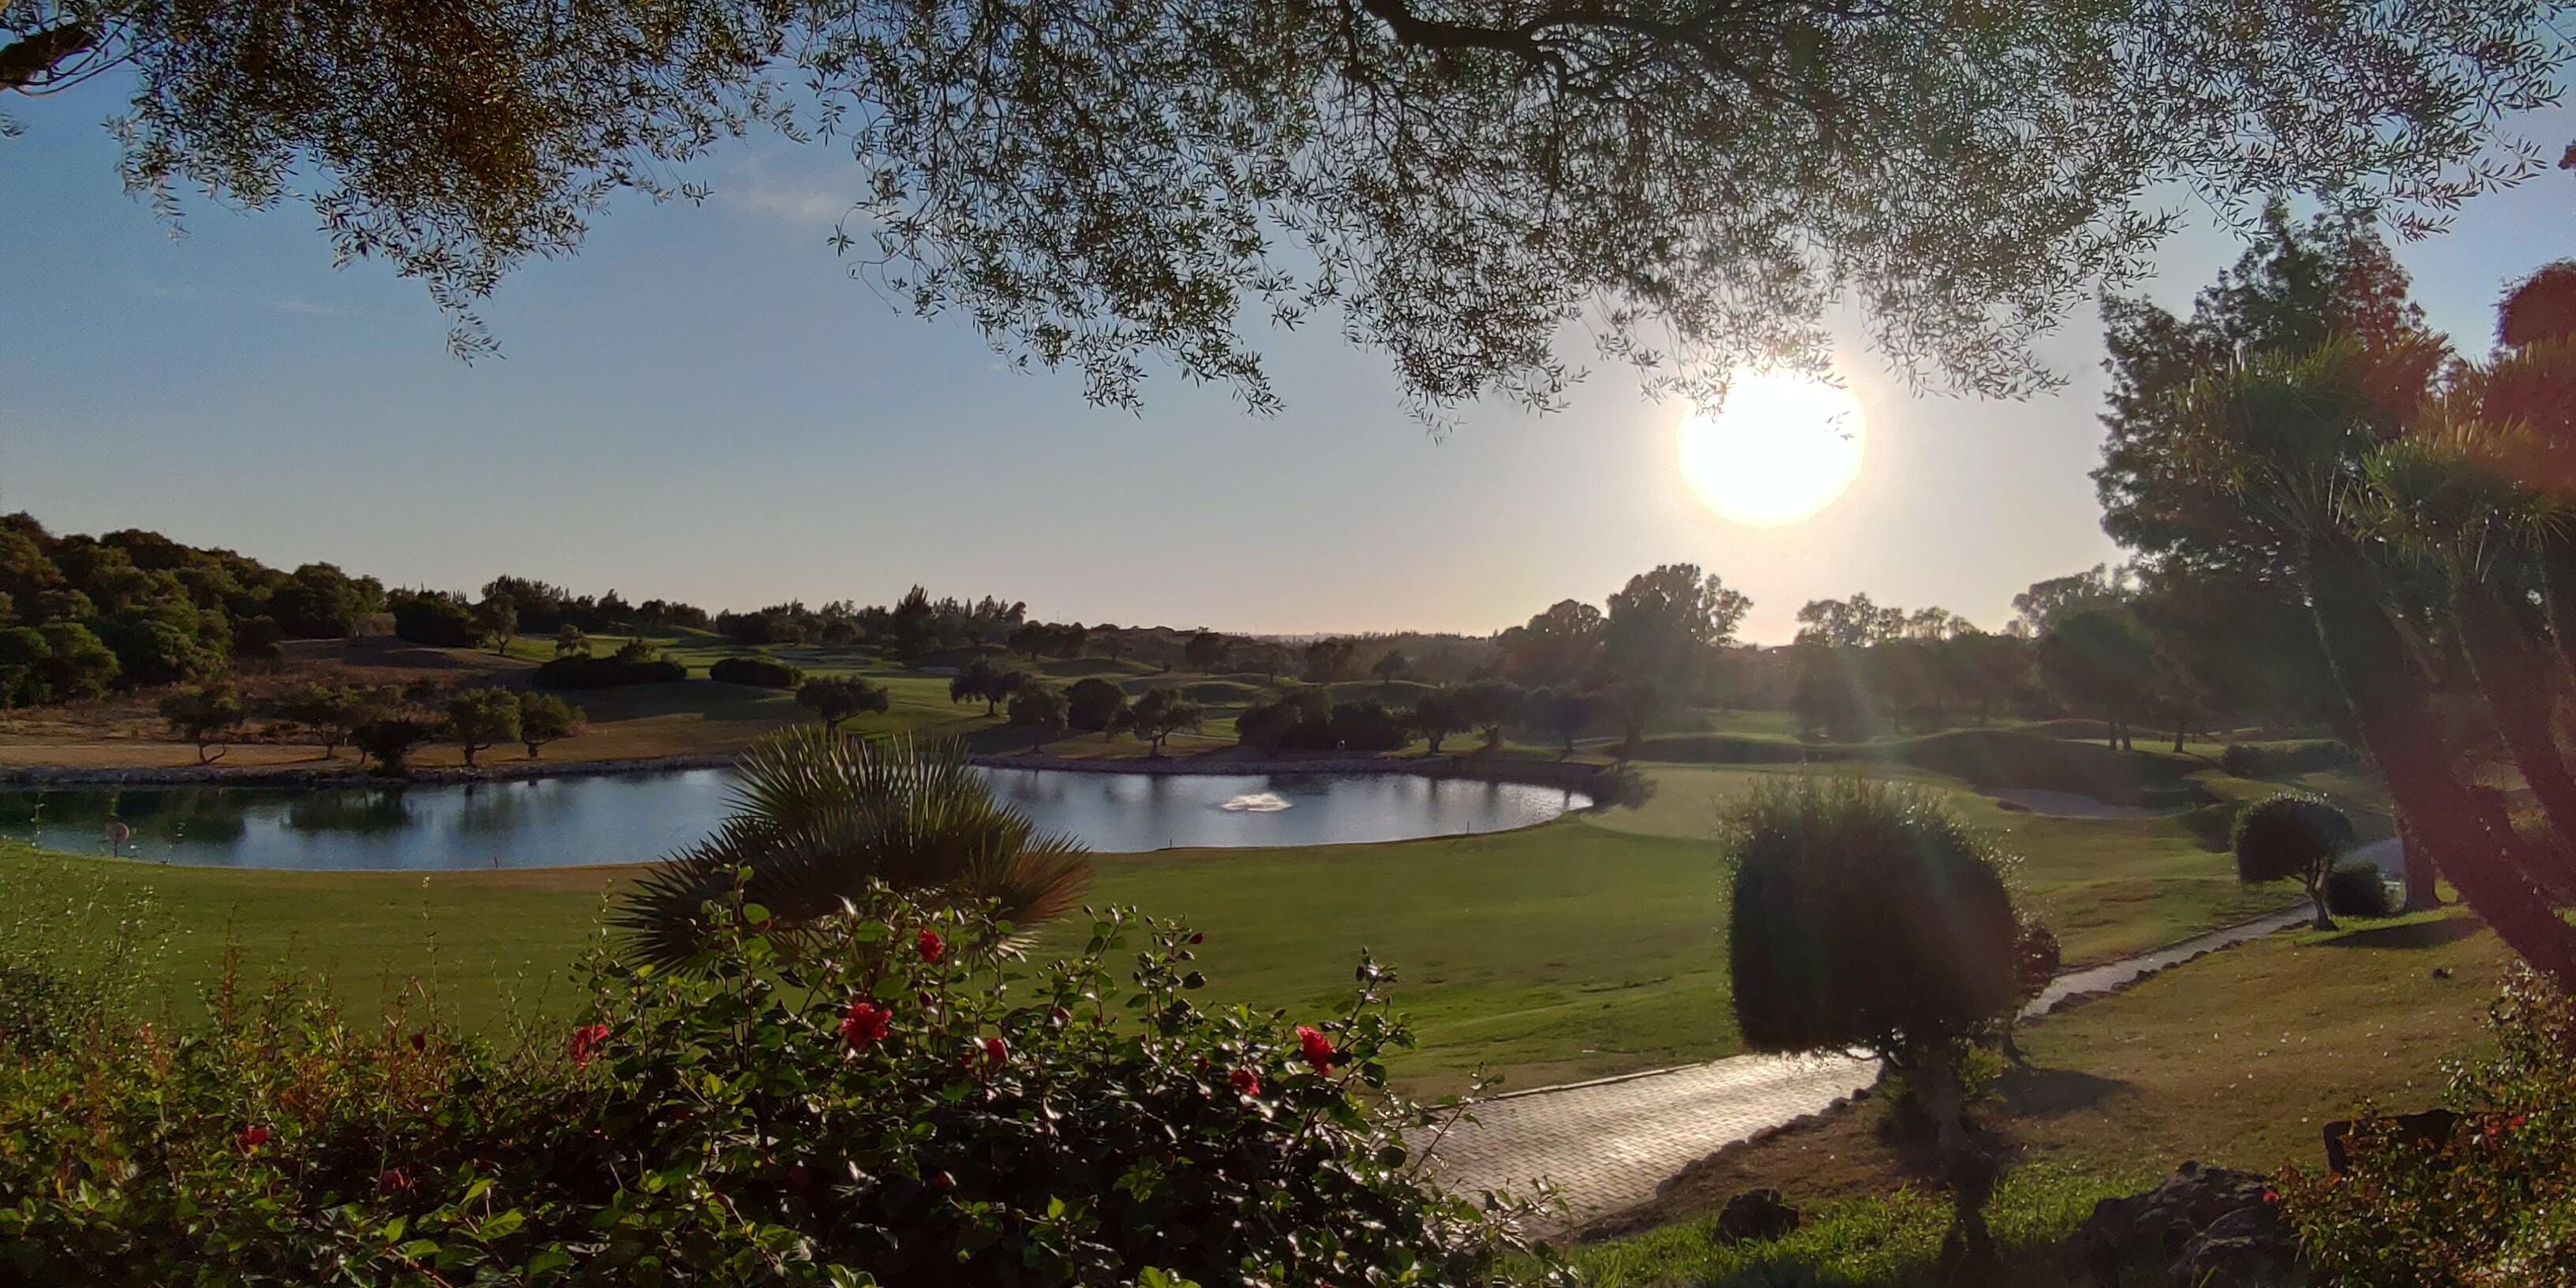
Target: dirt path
{"x":1607,"y":1145}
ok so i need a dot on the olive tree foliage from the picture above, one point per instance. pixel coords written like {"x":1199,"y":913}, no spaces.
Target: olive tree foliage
{"x":1100,"y":183}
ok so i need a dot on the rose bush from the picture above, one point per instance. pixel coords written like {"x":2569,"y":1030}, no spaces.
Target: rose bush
{"x":2495,"y":1202}
{"x":892,"y":1096}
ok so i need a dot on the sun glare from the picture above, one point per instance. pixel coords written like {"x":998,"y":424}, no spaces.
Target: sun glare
{"x":1780,"y":448}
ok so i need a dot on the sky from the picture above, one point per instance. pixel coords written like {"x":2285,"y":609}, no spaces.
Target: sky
{"x":702,"y":406}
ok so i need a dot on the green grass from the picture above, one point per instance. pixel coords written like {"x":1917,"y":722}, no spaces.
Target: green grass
{"x":2236,"y":1060}
{"x":1881,"y":1242}
{"x":2107,"y":887}
{"x":1588,"y":946}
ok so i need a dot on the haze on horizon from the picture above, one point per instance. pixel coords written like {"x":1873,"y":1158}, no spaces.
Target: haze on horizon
{"x":699,"y":406}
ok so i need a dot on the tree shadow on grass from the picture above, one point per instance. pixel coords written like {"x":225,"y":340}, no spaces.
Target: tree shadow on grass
{"x":2042,"y":1093}
{"x":2413,"y":934}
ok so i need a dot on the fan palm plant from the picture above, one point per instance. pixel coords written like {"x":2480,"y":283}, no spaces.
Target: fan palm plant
{"x":2390,"y":500}
{"x":816,"y":817}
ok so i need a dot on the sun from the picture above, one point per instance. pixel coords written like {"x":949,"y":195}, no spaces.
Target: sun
{"x":1780,"y":448}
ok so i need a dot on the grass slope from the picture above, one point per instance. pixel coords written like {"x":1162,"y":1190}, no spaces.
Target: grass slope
{"x":1588,"y":946}
{"x":2236,"y":1060}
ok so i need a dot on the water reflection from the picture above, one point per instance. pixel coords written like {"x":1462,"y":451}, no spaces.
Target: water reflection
{"x":631,"y":818}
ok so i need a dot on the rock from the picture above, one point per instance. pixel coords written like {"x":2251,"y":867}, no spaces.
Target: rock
{"x":1756,"y":1214}
{"x":2441,"y":972}
{"x":2204,"y":1227}
{"x":2431,"y":1127}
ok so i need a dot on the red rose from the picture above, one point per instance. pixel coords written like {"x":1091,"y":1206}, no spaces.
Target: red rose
{"x":251,"y":1138}
{"x":586,"y":1042}
{"x":1316,"y":1049}
{"x":996,"y":1050}
{"x":1246,"y":1082}
{"x":930,"y":946}
{"x":392,"y":1178}
{"x":2515,"y":1123}
{"x":866,"y":1024}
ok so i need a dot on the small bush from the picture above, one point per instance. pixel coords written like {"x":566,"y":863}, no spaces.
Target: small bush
{"x":1366,"y":725}
{"x":1094,"y":704}
{"x":606,"y":672}
{"x":890,"y":1097}
{"x":2358,"y":890}
{"x":2292,"y":837}
{"x":2489,"y":1205}
{"x":757,"y":672}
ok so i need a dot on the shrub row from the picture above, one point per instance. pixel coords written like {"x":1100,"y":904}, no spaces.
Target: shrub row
{"x":757,"y":672}
{"x":606,"y":672}
{"x":1308,"y":720}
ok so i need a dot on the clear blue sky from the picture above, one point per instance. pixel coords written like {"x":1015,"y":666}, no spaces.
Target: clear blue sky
{"x":701,"y":406}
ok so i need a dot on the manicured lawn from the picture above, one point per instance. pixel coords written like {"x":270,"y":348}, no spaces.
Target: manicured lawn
{"x":2237,"y":1060}
{"x":1588,"y":946}
{"x":2109,"y":888}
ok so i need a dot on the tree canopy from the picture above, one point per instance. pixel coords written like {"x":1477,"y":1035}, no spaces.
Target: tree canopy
{"x":1103,"y":182}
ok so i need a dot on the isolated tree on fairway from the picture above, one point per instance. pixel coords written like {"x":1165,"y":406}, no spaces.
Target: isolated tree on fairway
{"x":1268,"y":658}
{"x":572,"y":641}
{"x":1393,"y":666}
{"x":1867,"y":916}
{"x":1159,"y":713}
{"x":1558,"y":647}
{"x":913,"y":618}
{"x":1663,"y":631}
{"x":1435,"y":716}
{"x":1094,"y":704}
{"x":815,"y":818}
{"x":982,"y":681}
{"x":389,"y":742}
{"x":1488,"y":705}
{"x":205,"y":715}
{"x":1561,"y":714}
{"x":2292,"y":837}
{"x":2100,"y":662}
{"x":482,"y":719}
{"x":545,"y":718}
{"x":333,"y":713}
{"x":1206,"y":651}
{"x":1040,"y":709}
{"x":497,"y":620}
{"x":1327,"y":661}
{"x":835,"y":700}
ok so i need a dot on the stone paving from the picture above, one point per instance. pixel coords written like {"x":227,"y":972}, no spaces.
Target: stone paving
{"x":1607,"y":1145}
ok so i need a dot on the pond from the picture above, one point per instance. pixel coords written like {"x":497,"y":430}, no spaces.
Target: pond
{"x":630,"y":818}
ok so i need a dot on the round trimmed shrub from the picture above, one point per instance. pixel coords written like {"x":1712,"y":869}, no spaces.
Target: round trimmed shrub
{"x":2358,"y":890}
{"x":756,"y":672}
{"x":1094,"y":704}
{"x":2292,"y":837}
{"x":1865,"y":915}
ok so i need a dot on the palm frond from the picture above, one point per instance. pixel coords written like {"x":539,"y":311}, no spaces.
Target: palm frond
{"x":816,"y":817}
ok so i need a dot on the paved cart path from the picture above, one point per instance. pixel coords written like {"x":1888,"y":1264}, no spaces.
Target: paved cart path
{"x":1606,"y":1145}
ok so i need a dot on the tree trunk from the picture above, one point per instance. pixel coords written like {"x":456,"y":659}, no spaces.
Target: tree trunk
{"x":2421,"y":893}
{"x":2517,"y":691}
{"x":2391,"y":712}
{"x":1968,"y":1249}
{"x":2317,"y":896}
